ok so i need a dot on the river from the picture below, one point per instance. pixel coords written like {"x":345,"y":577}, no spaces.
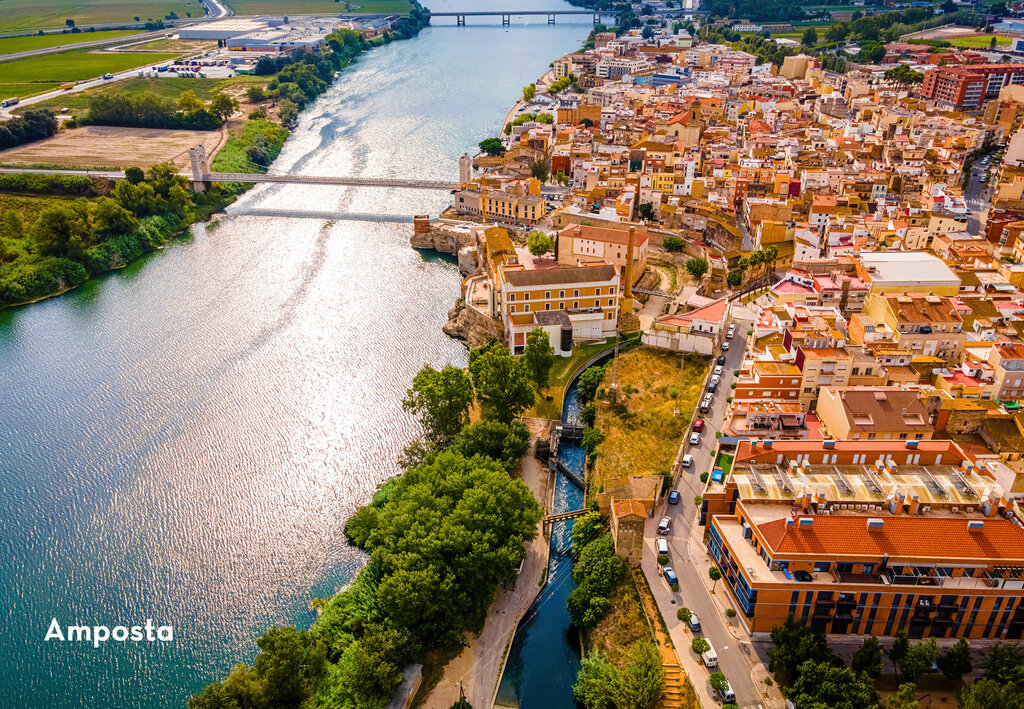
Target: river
{"x":183,"y":440}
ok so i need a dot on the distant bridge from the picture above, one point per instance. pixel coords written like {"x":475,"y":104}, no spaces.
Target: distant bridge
{"x":506,"y":15}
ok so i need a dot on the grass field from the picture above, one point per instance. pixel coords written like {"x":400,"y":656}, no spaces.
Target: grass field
{"x":28,"y":207}
{"x":981,"y":41}
{"x":174,"y":45}
{"x":168,"y":89}
{"x":74,"y":65}
{"x":48,"y":14}
{"x":312,"y":7}
{"x":644,"y":427}
{"x":12,"y":45}
{"x":23,"y":90}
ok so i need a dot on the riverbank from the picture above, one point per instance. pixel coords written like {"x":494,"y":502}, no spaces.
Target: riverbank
{"x":65,"y":245}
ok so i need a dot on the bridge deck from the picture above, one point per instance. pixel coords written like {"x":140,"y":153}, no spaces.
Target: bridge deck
{"x":327,"y":180}
{"x":498,"y":13}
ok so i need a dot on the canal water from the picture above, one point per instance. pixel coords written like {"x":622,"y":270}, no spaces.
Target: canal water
{"x":184,"y":439}
{"x":545,"y":656}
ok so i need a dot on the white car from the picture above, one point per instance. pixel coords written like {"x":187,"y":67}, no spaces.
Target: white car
{"x":694,"y":439}
{"x":664,"y":525}
{"x":687,"y":460}
{"x":725,"y":346}
{"x":732,"y":331}
{"x":662,"y":546}
{"x":718,"y":370}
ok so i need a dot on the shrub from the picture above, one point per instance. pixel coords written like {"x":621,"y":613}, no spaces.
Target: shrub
{"x":703,"y":477}
{"x":684,"y":615}
{"x":662,"y":559}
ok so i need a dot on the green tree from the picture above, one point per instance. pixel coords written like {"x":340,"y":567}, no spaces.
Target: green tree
{"x":868,"y":658}
{"x":642,"y":679}
{"x":108,"y":218}
{"x":279,"y":664}
{"x":684,"y":614}
{"x":1005,"y":663}
{"x":441,"y":399}
{"x":592,"y":438}
{"x":905,"y":698}
{"x":501,"y":382}
{"x":988,"y":693}
{"x":718,"y":682}
{"x":596,"y":571}
{"x":455,"y":524}
{"x":899,"y":649}
{"x":505,"y":443}
{"x":919,"y":660}
{"x":189,"y":102}
{"x":594,"y":681}
{"x":697,"y":267}
{"x":645,"y":210}
{"x":837,"y":32}
{"x":810,"y":37}
{"x":492,"y":146}
{"x":956,"y":661}
{"x":255,"y":94}
{"x":714,"y":574}
{"x":529,"y":92}
{"x":538,"y":243}
{"x":361,"y":524}
{"x":540,"y":169}
{"x":795,"y":644}
{"x":825,"y":684}
{"x":589,"y":382}
{"x":734,"y":279}
{"x":587,"y":528}
{"x":673,"y":244}
{"x":62,"y":229}
{"x":539,"y":356}
{"x":699,"y":645}
{"x":134,"y":175}
{"x":223,"y":105}
{"x":287,"y":110}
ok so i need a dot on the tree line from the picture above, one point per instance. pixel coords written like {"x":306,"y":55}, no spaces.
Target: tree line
{"x":439,"y":539}
{"x":814,"y":677}
{"x":34,"y":124}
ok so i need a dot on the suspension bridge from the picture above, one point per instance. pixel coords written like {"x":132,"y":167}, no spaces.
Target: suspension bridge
{"x":506,"y":15}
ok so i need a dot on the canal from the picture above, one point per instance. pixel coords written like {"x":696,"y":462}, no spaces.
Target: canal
{"x":545,"y":655}
{"x":184,"y":439}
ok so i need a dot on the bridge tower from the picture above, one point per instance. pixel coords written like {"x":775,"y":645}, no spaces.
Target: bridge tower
{"x":465,"y":168}
{"x":597,"y":19}
{"x":506,"y":20}
{"x":460,"y":20}
{"x":551,"y":18}
{"x":200,"y":168}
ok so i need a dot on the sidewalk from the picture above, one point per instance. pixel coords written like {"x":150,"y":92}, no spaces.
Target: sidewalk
{"x":479,"y":664}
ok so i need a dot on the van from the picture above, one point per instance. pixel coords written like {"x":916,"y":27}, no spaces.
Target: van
{"x":728,"y":696}
{"x":694,"y":623}
{"x":687,"y":460}
{"x":662,"y":546}
{"x":705,"y":404}
{"x":732,"y":331}
{"x":709,"y":657}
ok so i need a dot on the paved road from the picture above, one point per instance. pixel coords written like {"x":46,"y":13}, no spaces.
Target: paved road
{"x":736,"y":659}
{"x":977,"y":196}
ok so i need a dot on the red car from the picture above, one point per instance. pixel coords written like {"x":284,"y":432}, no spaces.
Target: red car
{"x":698,"y":425}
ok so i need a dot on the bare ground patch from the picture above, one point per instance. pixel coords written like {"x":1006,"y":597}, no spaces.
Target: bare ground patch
{"x":108,"y":146}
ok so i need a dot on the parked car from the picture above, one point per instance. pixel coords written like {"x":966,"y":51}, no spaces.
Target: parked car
{"x":803,"y":576}
{"x":662,"y":546}
{"x":705,"y":404}
{"x":732,"y":331}
{"x":718,"y":370}
{"x":725,"y":346}
{"x":713,"y":386}
{"x":687,"y":460}
{"x":716,"y":379}
{"x":108,"y":76}
{"x":710,"y":657}
{"x":727,"y":696}
{"x":694,"y":622}
{"x":673,"y":497}
{"x":670,"y":576}
{"x":721,"y":359}
{"x":664,"y":525}
{"x":694,"y":439}
{"x":698,"y":425}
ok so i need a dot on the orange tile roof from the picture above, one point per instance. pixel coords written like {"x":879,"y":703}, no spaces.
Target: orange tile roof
{"x":905,"y":537}
{"x":624,"y":508}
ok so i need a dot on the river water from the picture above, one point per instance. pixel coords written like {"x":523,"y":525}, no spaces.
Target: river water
{"x":183,"y":440}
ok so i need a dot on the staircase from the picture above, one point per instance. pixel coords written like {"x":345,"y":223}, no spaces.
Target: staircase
{"x":675,"y":694}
